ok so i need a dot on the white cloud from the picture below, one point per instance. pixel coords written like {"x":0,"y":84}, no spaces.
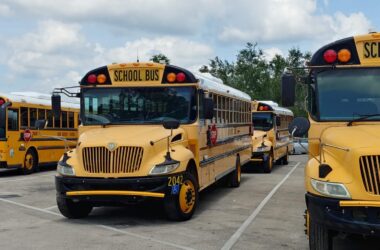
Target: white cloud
{"x":181,"y":52}
{"x":4,"y":10}
{"x":270,"y":53}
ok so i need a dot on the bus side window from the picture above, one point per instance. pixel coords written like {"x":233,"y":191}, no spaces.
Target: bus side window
{"x":41,"y":114}
{"x":33,"y":117}
{"x":49,"y":117}
{"x":64,"y":119}
{"x":12,"y":119}
{"x":57,"y":122}
{"x":71,"y":120}
{"x":24,"y":117}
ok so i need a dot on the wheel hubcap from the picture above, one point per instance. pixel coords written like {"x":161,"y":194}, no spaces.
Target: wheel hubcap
{"x":29,"y":161}
{"x":187,"y":197}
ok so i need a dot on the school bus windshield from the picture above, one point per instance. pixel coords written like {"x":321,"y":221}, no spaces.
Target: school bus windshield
{"x":137,"y":105}
{"x":346,"y":94}
{"x":262,"y":121}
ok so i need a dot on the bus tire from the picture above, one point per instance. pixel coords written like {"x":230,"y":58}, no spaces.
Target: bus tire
{"x":30,"y":162}
{"x":268,"y":164}
{"x":285,"y":158}
{"x":235,"y":176}
{"x":181,"y":207}
{"x":73,"y":210}
{"x":320,"y":238}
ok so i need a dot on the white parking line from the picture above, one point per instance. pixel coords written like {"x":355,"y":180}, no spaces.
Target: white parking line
{"x":50,"y":208}
{"x":26,"y":178}
{"x":100,"y":226}
{"x":235,"y":237}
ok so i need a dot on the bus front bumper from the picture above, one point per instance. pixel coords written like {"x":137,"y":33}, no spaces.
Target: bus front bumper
{"x":345,"y":216}
{"x":121,"y":190}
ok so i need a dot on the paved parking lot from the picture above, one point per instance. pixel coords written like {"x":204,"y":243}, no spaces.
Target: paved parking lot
{"x":264,"y":213}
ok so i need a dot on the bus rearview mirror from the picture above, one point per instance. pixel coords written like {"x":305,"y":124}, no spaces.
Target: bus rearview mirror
{"x":299,"y":127}
{"x":171,"y":124}
{"x":208,"y":108}
{"x":288,"y":89}
{"x":56,"y":105}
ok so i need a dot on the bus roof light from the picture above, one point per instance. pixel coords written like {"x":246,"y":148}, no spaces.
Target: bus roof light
{"x":171,"y":77}
{"x":330,"y":56}
{"x":181,"y":77}
{"x":101,"y":78}
{"x":344,"y":55}
{"x":92,"y":79}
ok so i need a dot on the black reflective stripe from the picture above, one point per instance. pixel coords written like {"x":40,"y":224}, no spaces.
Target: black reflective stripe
{"x":221,"y":156}
{"x":287,"y":144}
{"x":49,"y":139}
{"x":50,"y":147}
{"x":225,"y":141}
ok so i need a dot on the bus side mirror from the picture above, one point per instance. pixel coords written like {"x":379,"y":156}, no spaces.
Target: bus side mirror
{"x":288,"y":89}
{"x":41,"y":124}
{"x":171,"y":124}
{"x":208,"y":108}
{"x":299,"y":126}
{"x":56,"y":105}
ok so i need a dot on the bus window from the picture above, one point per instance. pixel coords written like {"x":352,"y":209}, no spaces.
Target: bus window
{"x":71,"y":120}
{"x":13,"y":119}
{"x":49,"y":117}
{"x":24,"y":117}
{"x":41,"y":114}
{"x":64,"y":119}
{"x":57,"y":122}
{"x":33,"y":117}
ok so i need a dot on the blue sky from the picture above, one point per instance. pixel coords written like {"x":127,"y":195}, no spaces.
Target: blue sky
{"x":46,"y":44}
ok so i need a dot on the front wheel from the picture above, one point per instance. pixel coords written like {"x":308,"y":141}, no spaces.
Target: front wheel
{"x":268,"y":164}
{"x":181,"y":206}
{"x":285,"y":158}
{"x":320,"y":238}
{"x":73,"y":210}
{"x":235,"y":176}
{"x":30,"y":162}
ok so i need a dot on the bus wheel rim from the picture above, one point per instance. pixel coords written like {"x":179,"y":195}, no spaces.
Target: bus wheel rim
{"x":29,"y":161}
{"x":187,"y":197}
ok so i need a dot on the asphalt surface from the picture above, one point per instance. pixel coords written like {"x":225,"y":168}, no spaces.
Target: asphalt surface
{"x":265,"y":212}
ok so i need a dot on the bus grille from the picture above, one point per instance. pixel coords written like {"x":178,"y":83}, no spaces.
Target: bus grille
{"x":370,"y":171}
{"x":121,"y":160}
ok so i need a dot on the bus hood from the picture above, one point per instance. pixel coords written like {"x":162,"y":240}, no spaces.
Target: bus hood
{"x":353,"y":137}
{"x":127,"y":135}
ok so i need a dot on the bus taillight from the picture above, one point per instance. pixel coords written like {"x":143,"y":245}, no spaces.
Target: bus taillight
{"x":2,"y":101}
{"x":330,"y":56}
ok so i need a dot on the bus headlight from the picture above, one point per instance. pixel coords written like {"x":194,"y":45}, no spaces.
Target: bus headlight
{"x":65,"y":169}
{"x":164,"y":168}
{"x":336,"y":190}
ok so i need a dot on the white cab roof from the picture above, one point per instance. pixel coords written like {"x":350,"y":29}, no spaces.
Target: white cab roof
{"x":216,"y":85}
{"x":277,"y":109}
{"x":39,"y":99}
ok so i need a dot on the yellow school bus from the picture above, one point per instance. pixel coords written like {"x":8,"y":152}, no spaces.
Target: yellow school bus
{"x":271,"y":139}
{"x":21,"y":146}
{"x":342,"y":176}
{"x":153,"y":131}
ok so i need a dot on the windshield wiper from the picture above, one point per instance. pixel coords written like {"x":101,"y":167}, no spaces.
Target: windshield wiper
{"x":362,"y":118}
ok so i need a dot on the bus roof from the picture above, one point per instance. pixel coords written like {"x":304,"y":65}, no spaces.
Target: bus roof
{"x":37,"y":98}
{"x":213,"y":84}
{"x":276,"y":108}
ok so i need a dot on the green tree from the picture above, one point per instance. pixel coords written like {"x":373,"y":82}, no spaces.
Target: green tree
{"x":159,"y":58}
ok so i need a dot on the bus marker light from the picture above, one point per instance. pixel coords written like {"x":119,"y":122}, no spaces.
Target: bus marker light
{"x":101,"y":78}
{"x":344,"y":55}
{"x":171,"y":77}
{"x":181,"y":77}
{"x":2,"y":101}
{"x":91,"y":79}
{"x":330,"y":56}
